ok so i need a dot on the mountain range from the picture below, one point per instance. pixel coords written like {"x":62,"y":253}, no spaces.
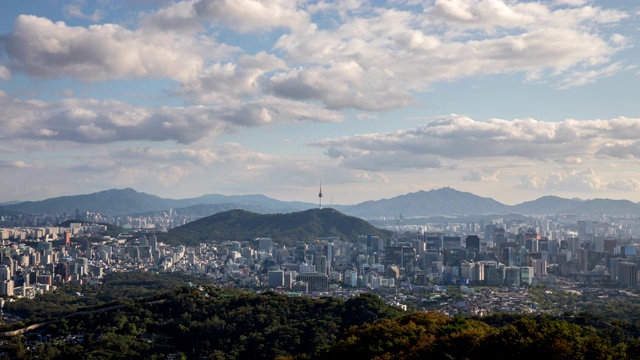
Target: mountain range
{"x":444,"y":201}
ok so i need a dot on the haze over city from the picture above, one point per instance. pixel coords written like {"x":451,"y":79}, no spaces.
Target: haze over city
{"x":505,"y":99}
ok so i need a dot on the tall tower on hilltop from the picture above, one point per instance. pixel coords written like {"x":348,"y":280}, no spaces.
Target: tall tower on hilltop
{"x":320,"y":195}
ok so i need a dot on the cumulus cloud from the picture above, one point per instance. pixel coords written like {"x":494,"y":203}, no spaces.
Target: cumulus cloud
{"x":571,"y":181}
{"x":459,"y":137}
{"x":378,"y":61}
{"x":5,"y":74}
{"x":576,"y":181}
{"x":104,"y":121}
{"x":243,"y":16}
{"x":627,"y":149}
{"x":276,"y":110}
{"x":178,"y":17}
{"x":482,"y":175}
{"x":625,"y":185}
{"x":492,"y":17}
{"x":43,"y":48}
{"x":231,"y":81}
{"x":74,"y":10}
{"x":570,"y":2}
{"x":483,"y":13}
{"x":369,"y":58}
{"x":254,"y":15}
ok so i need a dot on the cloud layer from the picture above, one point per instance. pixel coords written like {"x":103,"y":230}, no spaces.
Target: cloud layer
{"x":371,"y":58}
{"x":460,"y":137}
{"x":216,"y":81}
{"x":104,"y":121}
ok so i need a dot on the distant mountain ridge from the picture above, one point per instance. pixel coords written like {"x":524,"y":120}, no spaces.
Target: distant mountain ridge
{"x":445,"y":201}
{"x":438,"y":202}
{"x":129,"y":201}
{"x":451,"y":202}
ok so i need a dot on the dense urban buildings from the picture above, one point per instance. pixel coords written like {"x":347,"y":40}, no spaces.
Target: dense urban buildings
{"x":500,"y":253}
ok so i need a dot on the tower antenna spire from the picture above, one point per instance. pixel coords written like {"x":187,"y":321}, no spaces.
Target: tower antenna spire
{"x":320,"y":195}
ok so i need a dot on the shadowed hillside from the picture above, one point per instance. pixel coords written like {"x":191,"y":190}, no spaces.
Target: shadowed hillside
{"x":283,"y":228}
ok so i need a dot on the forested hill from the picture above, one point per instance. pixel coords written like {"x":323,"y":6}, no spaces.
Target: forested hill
{"x":205,"y":322}
{"x":286,"y":229}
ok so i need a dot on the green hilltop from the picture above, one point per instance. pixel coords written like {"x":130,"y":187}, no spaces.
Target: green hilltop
{"x":286,"y":229}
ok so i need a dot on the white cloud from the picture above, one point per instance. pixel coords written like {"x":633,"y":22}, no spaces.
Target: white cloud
{"x":231,"y":81}
{"x":624,"y":149}
{"x":487,"y":13}
{"x":178,"y":17}
{"x":570,"y":181}
{"x":482,"y":175}
{"x":5,"y":74}
{"x":570,"y":2}
{"x":74,"y":10}
{"x":42,"y":48}
{"x":625,"y":185}
{"x":575,"y":181}
{"x":377,"y":62}
{"x":583,"y":77}
{"x":94,"y":121}
{"x":254,"y":15}
{"x":458,"y":137}
{"x":371,"y":58}
{"x":243,"y":16}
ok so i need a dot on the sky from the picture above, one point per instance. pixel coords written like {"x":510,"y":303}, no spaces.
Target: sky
{"x":510,"y":99}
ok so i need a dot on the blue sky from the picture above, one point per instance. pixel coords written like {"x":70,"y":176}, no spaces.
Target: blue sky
{"x":505,"y":99}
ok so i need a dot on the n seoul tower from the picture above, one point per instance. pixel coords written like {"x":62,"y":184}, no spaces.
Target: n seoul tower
{"x":320,"y":195}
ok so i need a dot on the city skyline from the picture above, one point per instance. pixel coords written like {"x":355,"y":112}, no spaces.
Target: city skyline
{"x":511,"y":100}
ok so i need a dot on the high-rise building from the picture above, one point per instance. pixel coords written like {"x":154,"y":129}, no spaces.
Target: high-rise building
{"x":351,"y":278}
{"x":512,"y":276}
{"x":62,"y":269}
{"x":265,"y":244}
{"x":316,"y":282}
{"x":526,"y":275}
{"x":6,"y":288}
{"x":473,"y":242}
{"x":321,"y":264}
{"x":449,"y":242}
{"x":628,"y":274}
{"x":492,"y":276}
{"x":539,"y":267}
{"x":434,"y":242}
{"x":330,"y":252}
{"x":276,"y":278}
{"x":289,"y":278}
{"x":5,"y":273}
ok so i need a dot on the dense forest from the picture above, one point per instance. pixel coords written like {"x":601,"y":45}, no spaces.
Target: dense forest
{"x":171,"y":316}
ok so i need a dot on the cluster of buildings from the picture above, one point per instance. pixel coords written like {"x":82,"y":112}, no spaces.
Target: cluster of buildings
{"x":36,"y":259}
